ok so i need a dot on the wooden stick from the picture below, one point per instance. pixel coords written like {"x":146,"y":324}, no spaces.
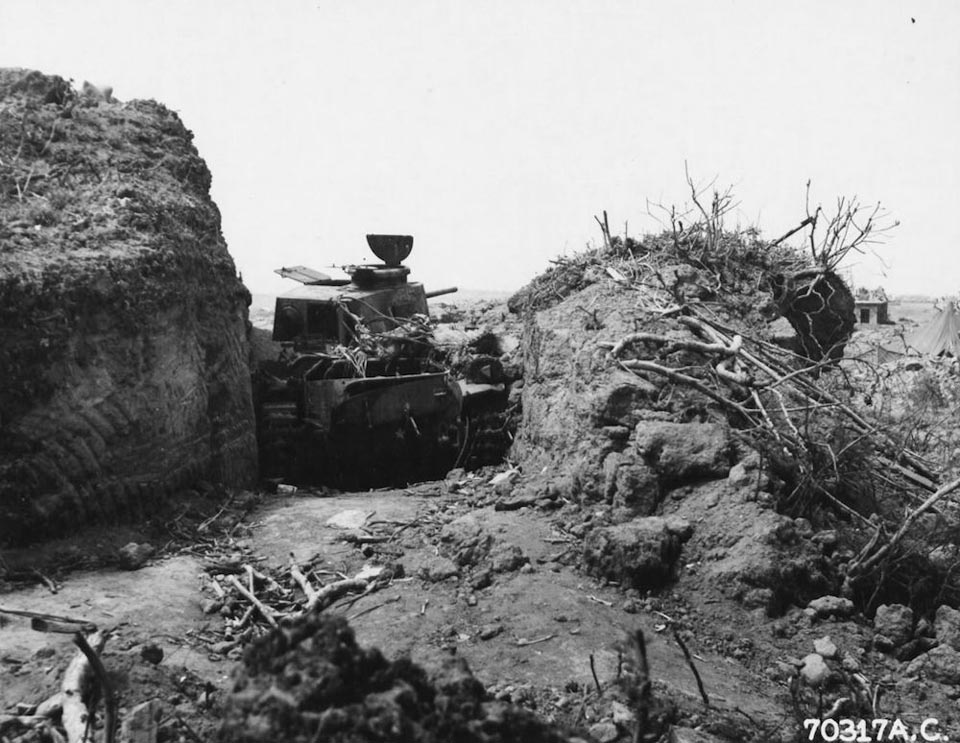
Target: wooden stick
{"x":302,"y":580}
{"x":696,"y":673}
{"x":110,"y":703}
{"x":861,"y":566}
{"x":264,"y":610}
{"x":593,"y":671}
{"x":76,"y":716}
{"x":328,"y":594}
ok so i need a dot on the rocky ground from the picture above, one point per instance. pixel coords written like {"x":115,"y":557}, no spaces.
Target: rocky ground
{"x":539,"y":577}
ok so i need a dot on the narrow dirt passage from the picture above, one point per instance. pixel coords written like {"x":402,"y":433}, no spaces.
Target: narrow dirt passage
{"x":532,"y":595}
{"x":490,"y":586}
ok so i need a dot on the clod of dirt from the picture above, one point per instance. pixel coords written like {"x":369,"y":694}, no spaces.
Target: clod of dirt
{"x":825,"y":647}
{"x":506,"y":558}
{"x":134,"y":556}
{"x":630,"y":484}
{"x":941,"y":664}
{"x":893,"y":625}
{"x":947,"y":626}
{"x":827,"y":606}
{"x":469,"y":541}
{"x":438,"y":569}
{"x":685,"y":452}
{"x":311,"y":681}
{"x":640,"y":554}
{"x":151,"y":653}
{"x":124,"y":361}
{"x":814,"y":670}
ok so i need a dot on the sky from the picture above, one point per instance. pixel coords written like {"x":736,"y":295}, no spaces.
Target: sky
{"x":494,"y":131}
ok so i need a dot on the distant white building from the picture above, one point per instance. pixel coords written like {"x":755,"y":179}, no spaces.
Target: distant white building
{"x":871,"y":307}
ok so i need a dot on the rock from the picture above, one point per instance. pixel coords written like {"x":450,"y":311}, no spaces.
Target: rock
{"x":481,"y":579}
{"x":631,"y":484}
{"x":134,"y":556}
{"x":489,"y":631}
{"x":638,"y":554}
{"x":814,"y":669}
{"x":142,"y":723}
{"x":739,"y":477}
{"x":946,"y":626}
{"x":468,"y":540}
{"x":825,"y":646}
{"x":211,"y":606}
{"x":617,"y":404}
{"x":942,"y":664}
{"x":151,"y":653}
{"x":893,"y":622}
{"x":684,"y":452}
{"x":622,"y":714}
{"x":507,"y":558}
{"x":690,"y":735}
{"x":604,"y":732}
{"x":827,"y":606}
{"x":437,"y":569}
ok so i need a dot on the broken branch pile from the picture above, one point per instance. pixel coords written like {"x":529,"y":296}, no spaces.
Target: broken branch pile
{"x":252,"y":601}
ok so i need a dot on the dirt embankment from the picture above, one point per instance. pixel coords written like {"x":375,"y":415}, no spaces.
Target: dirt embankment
{"x":123,"y":319}
{"x":733,"y":493}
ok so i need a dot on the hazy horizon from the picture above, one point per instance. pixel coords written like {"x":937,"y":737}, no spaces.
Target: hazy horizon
{"x":495,"y":132}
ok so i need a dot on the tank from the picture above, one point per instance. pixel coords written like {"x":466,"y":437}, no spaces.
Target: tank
{"x":360,"y":397}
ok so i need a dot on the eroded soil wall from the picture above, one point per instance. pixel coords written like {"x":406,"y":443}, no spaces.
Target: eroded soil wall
{"x":122,"y":319}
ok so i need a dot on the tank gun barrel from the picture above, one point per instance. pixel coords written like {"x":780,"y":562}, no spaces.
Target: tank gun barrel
{"x":441,"y":292}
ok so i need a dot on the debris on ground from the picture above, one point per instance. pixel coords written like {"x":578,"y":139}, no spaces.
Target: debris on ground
{"x":707,"y":528}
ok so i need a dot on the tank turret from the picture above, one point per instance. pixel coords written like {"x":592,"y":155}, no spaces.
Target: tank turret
{"x":324,"y":312}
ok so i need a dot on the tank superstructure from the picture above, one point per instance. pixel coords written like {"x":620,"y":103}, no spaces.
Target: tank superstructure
{"x":358,"y":397}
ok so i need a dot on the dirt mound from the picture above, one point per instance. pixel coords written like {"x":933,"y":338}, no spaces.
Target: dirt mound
{"x":312,"y":682}
{"x":124,"y":321}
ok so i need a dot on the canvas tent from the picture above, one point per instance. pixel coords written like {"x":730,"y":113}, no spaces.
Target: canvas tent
{"x":939,"y":336}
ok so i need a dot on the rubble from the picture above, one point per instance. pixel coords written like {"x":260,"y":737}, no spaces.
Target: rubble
{"x":310,"y":680}
{"x":641,"y":553}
